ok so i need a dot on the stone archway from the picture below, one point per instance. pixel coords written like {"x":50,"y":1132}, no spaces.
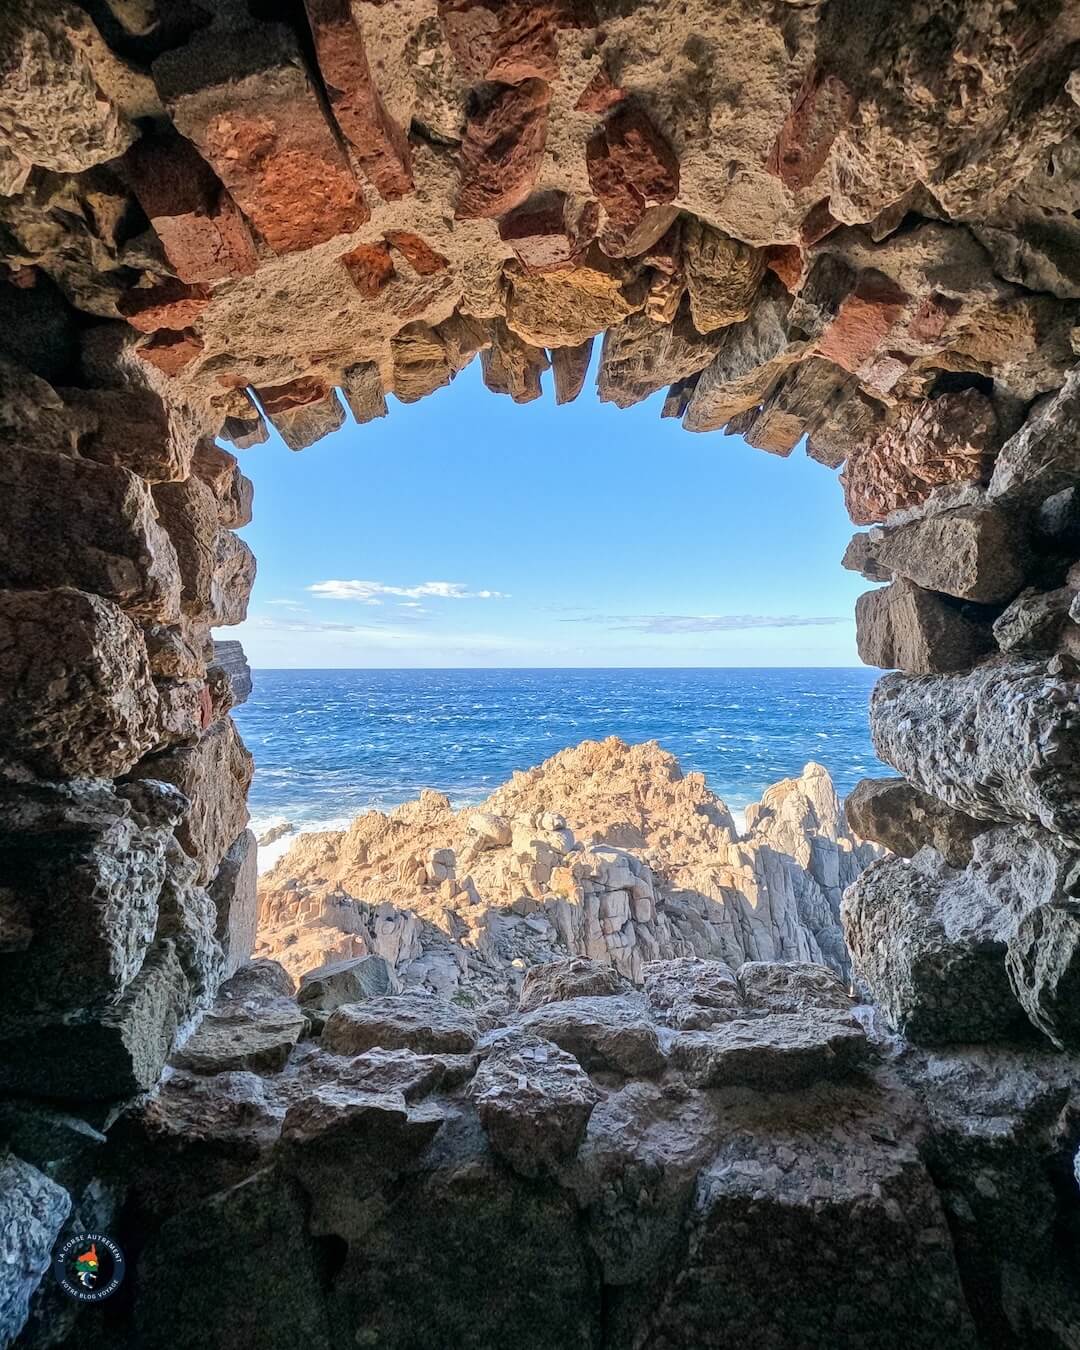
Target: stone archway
{"x":822,"y":220}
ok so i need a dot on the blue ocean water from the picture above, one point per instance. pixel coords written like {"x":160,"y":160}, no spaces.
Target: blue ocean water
{"x":329,"y":744}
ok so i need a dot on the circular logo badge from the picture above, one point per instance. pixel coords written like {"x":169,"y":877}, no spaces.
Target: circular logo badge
{"x":89,"y":1267}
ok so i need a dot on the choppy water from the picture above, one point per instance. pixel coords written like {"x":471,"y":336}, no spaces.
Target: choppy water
{"x":331,"y":743}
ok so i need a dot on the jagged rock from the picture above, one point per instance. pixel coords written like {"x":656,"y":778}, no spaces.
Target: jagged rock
{"x":297,"y":189}
{"x":254,"y":1034}
{"x":924,"y":445}
{"x":559,"y":980}
{"x":971,"y":552}
{"x":901,"y":626}
{"x":966,"y":739}
{"x":794,"y":404}
{"x":772,"y":1054}
{"x":1042,"y":458}
{"x":1033,"y":625}
{"x":233,"y":891}
{"x":751,"y":356}
{"x":759,"y":1263}
{"x":566,"y":308}
{"x":361,"y":388}
{"x":549,"y":231}
{"x":902,"y":819}
{"x":214,"y":776}
{"x":534,"y":1101}
{"x":634,"y":173}
{"x":858,"y":557}
{"x":229,"y":656}
{"x":1044,"y":965}
{"x":601,"y":1033}
{"x":569,"y":367}
{"x":501,"y":153}
{"x":692,"y":994}
{"x":931,"y":942}
{"x":511,"y":366}
{"x":640,"y":356}
{"x":136,"y":429}
{"x":32,"y":1213}
{"x":76,"y":692}
{"x":328,"y":987}
{"x":409,"y":1021}
{"x":221,"y":472}
{"x":71,"y":522}
{"x":722,"y":276}
{"x":792,"y":987}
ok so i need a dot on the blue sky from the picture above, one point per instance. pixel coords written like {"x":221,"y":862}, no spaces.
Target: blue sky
{"x":466,"y":530}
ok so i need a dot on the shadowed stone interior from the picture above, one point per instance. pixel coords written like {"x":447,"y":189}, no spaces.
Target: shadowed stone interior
{"x":848,"y":221}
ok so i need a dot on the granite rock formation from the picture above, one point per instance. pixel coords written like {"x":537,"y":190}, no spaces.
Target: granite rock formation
{"x":605,"y":851}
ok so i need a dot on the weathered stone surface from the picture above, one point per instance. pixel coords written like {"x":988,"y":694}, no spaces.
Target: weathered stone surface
{"x":242,"y":1034}
{"x":772,"y":1054}
{"x":362,"y":390}
{"x":559,"y":980}
{"x":370,"y":267}
{"x":233,"y":891}
{"x":506,"y":43}
{"x":750,"y":357}
{"x":565,"y":308}
{"x":771,"y":1241}
{"x":692,"y":994}
{"x":601,"y":1033}
{"x":551,"y":230}
{"x":970,"y":552}
{"x":262,"y":129}
{"x":137,"y":430}
{"x":232,"y":579}
{"x":381,"y":146}
{"x":201,"y":230}
{"x":328,"y":987}
{"x":229,"y":656}
{"x":511,"y":366}
{"x":569,"y":367}
{"x":722,"y":276}
{"x":302,"y":416}
{"x":903,"y":627}
{"x":417,"y":252}
{"x":76,"y":693}
{"x":169,"y":350}
{"x":968,"y":740}
{"x":951,"y":439}
{"x":634,"y":173}
{"x":188,"y":511}
{"x":501,"y":153}
{"x":214,"y":776}
{"x":221,"y":472}
{"x":1042,"y":458}
{"x":793,"y":405}
{"x":902,"y":819}
{"x":170,"y":304}
{"x":790,"y":987}
{"x":54,"y":112}
{"x":931,"y":942}
{"x":1035,"y":623}
{"x":71,"y":522}
{"x":639,"y":357}
{"x":1044,"y":964}
{"x":409,"y":1021}
{"x":32,"y":1213}
{"x":534,"y":1101}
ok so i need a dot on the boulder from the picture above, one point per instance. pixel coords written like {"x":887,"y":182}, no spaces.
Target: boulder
{"x":968,"y":739}
{"x":692,"y":994}
{"x":534,"y":1101}
{"x":601,"y":1033}
{"x":1035,"y":623}
{"x":328,"y":987}
{"x":76,"y":693}
{"x":791,"y":987}
{"x":972,"y":553}
{"x":902,"y":819}
{"x":577,"y":978}
{"x":902,"y":626}
{"x":722,"y":275}
{"x":409,"y":1021}
{"x":32,"y":1213}
{"x":780,"y":1053}
{"x":1042,"y":458}
{"x":249,"y":1029}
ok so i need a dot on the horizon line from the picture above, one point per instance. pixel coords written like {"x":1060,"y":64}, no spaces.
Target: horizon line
{"x":372,"y":669}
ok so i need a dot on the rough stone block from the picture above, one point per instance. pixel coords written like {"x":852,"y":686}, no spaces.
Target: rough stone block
{"x":234,"y":891}
{"x":635,"y":174}
{"x":1035,"y":623}
{"x":417,"y":252}
{"x":970,"y":552}
{"x":76,"y":692}
{"x":549,"y":231}
{"x":328,"y":987}
{"x":409,"y":1021}
{"x":169,"y":304}
{"x":170,"y":350}
{"x":902,"y":819}
{"x":32,"y":1213}
{"x":138,"y":430}
{"x":771,"y":1054}
{"x":903,"y":627}
{"x":1043,"y":458}
{"x":70,"y":522}
{"x":189,"y":512}
{"x":361,"y":387}
{"x":559,"y":980}
{"x":1001,"y":742}
{"x":569,"y":367}
{"x":221,"y":472}
{"x":302,"y":411}
{"x":722,"y":276}
{"x":502,"y":150}
{"x":601,"y":1033}
{"x":242,"y":94}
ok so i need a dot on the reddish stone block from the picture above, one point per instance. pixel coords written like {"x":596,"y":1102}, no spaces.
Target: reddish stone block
{"x":544,"y":234}
{"x":280,"y":398}
{"x":381,"y":146}
{"x":204,"y":236}
{"x":419,"y":254}
{"x":863,"y":321}
{"x":818,"y":223}
{"x":501,"y":153}
{"x":821,"y":109}
{"x":369,"y":267}
{"x":632,"y":169}
{"x":933,"y":317}
{"x":786,"y":261}
{"x":172,"y":304}
{"x":264,"y":132}
{"x":600,"y":94}
{"x":508,"y":41}
{"x":170,"y":351}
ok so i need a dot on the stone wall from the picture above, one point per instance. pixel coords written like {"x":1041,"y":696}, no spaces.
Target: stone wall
{"x":849,"y":221}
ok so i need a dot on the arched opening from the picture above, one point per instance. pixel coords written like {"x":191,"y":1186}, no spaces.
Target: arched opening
{"x":831,"y":222}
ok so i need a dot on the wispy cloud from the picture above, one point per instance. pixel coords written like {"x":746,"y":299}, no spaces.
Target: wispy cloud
{"x":706,"y":623}
{"x":286,"y":604}
{"x":371,"y":592}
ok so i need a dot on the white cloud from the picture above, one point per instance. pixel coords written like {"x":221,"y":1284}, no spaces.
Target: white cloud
{"x":369,"y":592}
{"x":286,"y":604}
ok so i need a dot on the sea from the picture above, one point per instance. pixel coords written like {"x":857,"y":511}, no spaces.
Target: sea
{"x":329,"y":744}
